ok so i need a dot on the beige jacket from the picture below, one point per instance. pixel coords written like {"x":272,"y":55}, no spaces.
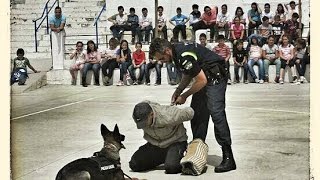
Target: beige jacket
{"x":167,"y":127}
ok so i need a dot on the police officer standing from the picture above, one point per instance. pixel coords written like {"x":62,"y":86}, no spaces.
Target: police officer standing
{"x":208,"y":91}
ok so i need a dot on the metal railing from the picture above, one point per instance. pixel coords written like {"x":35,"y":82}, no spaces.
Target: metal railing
{"x":96,"y":23}
{"x":46,"y":13}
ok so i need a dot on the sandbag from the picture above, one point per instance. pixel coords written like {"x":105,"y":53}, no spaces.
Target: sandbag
{"x":195,"y":160}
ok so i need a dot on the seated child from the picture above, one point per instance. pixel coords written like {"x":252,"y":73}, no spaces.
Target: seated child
{"x":78,"y":64}
{"x":19,"y":72}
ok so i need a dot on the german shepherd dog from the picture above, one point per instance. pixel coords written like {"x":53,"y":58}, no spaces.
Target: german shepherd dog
{"x":103,"y":165}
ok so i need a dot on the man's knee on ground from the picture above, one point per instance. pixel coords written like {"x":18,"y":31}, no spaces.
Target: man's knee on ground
{"x":172,"y":168}
{"x":134,"y":166}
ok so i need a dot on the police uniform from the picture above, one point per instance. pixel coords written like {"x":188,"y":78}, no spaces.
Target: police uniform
{"x":210,"y":100}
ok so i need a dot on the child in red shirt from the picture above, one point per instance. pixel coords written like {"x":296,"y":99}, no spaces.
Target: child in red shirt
{"x":223,"y":50}
{"x":138,"y":62}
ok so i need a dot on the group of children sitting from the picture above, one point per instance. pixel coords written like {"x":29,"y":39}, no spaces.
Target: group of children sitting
{"x":264,"y":54}
{"x":113,"y":57}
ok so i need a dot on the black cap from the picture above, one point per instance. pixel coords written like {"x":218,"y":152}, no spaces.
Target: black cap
{"x":140,"y":114}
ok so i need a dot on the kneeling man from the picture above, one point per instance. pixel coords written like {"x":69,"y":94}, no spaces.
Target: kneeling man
{"x":165,"y":134}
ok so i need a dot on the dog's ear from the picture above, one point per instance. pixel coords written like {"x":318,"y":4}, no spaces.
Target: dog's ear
{"x":104,"y":130}
{"x":116,"y":130}
{"x":117,"y":133}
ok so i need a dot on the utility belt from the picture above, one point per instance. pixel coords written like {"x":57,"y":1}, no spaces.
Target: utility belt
{"x":216,"y":73}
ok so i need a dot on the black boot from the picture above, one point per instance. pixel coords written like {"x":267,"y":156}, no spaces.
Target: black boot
{"x":228,"y":162}
{"x":84,"y":83}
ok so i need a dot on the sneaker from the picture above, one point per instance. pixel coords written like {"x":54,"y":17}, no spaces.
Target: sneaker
{"x":295,"y":79}
{"x":121,"y":31}
{"x":266,"y":79}
{"x":84,"y":85}
{"x":297,"y":83}
{"x":96,"y":84}
{"x":261,"y":81}
{"x":139,"y":82}
{"x":302,"y":79}
{"x":276,"y":80}
{"x":256,"y":80}
{"x":148,"y":84}
{"x":236,"y":81}
{"x":135,"y":83}
{"x":246,"y":81}
{"x":120,"y":83}
{"x":281,"y":81}
{"x":229,"y":81}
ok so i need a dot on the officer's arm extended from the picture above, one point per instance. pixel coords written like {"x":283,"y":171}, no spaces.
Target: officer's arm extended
{"x":200,"y":82}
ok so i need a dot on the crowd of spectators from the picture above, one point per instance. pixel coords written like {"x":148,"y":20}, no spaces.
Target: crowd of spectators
{"x":274,"y":38}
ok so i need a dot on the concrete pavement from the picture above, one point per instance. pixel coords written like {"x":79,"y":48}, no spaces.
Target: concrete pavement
{"x":57,"y":124}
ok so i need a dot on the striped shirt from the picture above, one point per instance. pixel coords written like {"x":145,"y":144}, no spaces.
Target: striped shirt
{"x":223,"y":51}
{"x":255,"y":52}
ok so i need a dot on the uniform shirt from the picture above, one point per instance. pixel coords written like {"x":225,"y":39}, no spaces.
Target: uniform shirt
{"x":190,"y":59}
{"x":270,"y":51}
{"x":21,"y":63}
{"x":57,"y":21}
{"x":277,"y":29}
{"x":120,"y":20}
{"x":138,"y":57}
{"x":240,"y":54}
{"x":179,"y":19}
{"x":286,"y":50}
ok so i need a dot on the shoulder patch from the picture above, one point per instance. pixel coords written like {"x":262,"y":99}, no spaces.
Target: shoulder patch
{"x":188,"y":66}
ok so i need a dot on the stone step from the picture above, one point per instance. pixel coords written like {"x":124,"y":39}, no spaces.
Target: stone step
{"x":32,"y":50}
{"x":65,"y":10}
{"x":35,"y":81}
{"x":83,"y":4}
{"x":38,"y":55}
{"x":20,"y":38}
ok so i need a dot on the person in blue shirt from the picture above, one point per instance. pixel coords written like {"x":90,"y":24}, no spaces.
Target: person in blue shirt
{"x":180,"y":24}
{"x":57,"y":23}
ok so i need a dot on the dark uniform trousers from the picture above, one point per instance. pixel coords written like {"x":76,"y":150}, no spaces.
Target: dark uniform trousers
{"x":210,"y":100}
